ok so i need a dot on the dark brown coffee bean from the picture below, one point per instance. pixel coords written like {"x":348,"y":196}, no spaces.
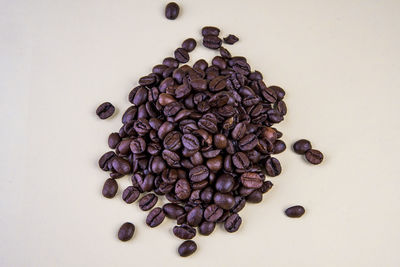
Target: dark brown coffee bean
{"x":184,"y":231}
{"x":110,"y":188}
{"x":199,"y":173}
{"x":130,"y":194}
{"x":273,"y":167}
{"x":295,"y":211}
{"x":148,"y":201}
{"x":314,"y":156}
{"x":126,"y":231}
{"x":155,"y":217}
{"x":267,"y":185}
{"x":189,"y":44}
{"x":157,"y":164}
{"x":217,"y":84}
{"x":206,"y":228}
{"x":121,"y":165}
{"x":105,"y":110}
{"x":219,"y":62}
{"x":181,"y":55}
{"x":172,"y":210}
{"x":214,"y":164}
{"x":113,"y":140}
{"x":302,"y":146}
{"x":231,"y":39}
{"x":212,"y":213}
{"x":105,"y":160}
{"x":224,"y":53}
{"x":187,"y":248}
{"x":164,"y":129}
{"x":199,"y":84}
{"x":233,"y":223}
{"x":224,"y":183}
{"x":240,"y":160}
{"x":279,"y":147}
{"x":225,"y":201}
{"x":248,"y":142}
{"x":251,"y":180}
{"x":195,"y":216}
{"x":280,"y":93}
{"x":171,"y":10}
{"x":165,"y":99}
{"x":210,"y":30}
{"x":171,"y":158}
{"x":137,"y":145}
{"x":182,"y":189}
{"x":240,"y":202}
{"x":190,"y":142}
{"x":173,"y":141}
{"x":212,"y":42}
{"x":239,"y":131}
{"x":255,"y":197}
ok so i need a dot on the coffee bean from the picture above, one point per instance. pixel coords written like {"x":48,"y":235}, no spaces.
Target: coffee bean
{"x":224,"y":53}
{"x":181,"y":55}
{"x":240,"y":202}
{"x":187,"y":248}
{"x":212,"y":42}
{"x":212,"y":213}
{"x":130,"y":194}
{"x":200,"y":64}
{"x":280,"y":93}
{"x":148,"y":201}
{"x":155,"y":217}
{"x":137,"y":145}
{"x":279,"y":146}
{"x":295,"y":211}
{"x":217,"y":84}
{"x":206,"y":228}
{"x":126,"y":231}
{"x":231,"y":39}
{"x":189,"y":44}
{"x":225,"y":201}
{"x":105,"y":110}
{"x":199,"y":173}
{"x":301,"y":146}
{"x":190,"y":142}
{"x":113,"y":140}
{"x":210,"y":30}
{"x":171,"y":11}
{"x":239,"y":131}
{"x":225,"y":183}
{"x":173,"y":141}
{"x":267,"y":185}
{"x":248,"y":142}
{"x":158,"y":164}
{"x":195,"y":216}
{"x":184,"y":231}
{"x":110,"y":188}
{"x":182,"y":189}
{"x":171,"y":158}
{"x":240,"y":160}
{"x":172,"y":210}
{"x":314,"y":156}
{"x":255,"y":197}
{"x":233,"y":223}
{"x":220,"y":141}
{"x":121,"y":165}
{"x":251,"y":180}
{"x":105,"y":160}
{"x":273,"y":167}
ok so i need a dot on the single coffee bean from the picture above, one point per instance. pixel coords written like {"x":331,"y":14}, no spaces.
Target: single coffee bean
{"x":190,"y":142}
{"x":181,"y":55}
{"x":220,"y":141}
{"x":195,"y":216}
{"x":224,"y":183}
{"x":295,"y":211}
{"x":273,"y":167}
{"x":172,"y":11}
{"x":113,"y":140}
{"x":212,"y":213}
{"x":225,"y":201}
{"x":206,"y":228}
{"x":173,"y":210}
{"x":224,"y":53}
{"x":251,"y":180}
{"x":301,"y":146}
{"x":267,"y":185}
{"x":126,"y":231}
{"x":138,"y":145}
{"x":314,"y":156}
{"x":239,"y":131}
{"x":155,"y":217}
{"x":240,"y":202}
{"x":130,"y":194}
{"x":212,"y":42}
{"x":141,"y":94}
{"x":182,"y":189}
{"x":280,"y":93}
{"x":231,"y":39}
{"x":184,"y":231}
{"x":105,"y":110}
{"x":240,"y":160}
{"x":105,"y":160}
{"x":210,"y":30}
{"x":233,"y":223}
{"x":279,"y":147}
{"x":121,"y":165}
{"x":255,"y":197}
{"x":158,"y":164}
{"x":148,"y":201}
{"x":110,"y":188}
{"x":214,"y":164}
{"x":248,"y":142}
{"x":189,"y":44}
{"x":187,"y":248}
{"x":199,"y":173}
{"x":173,"y":141}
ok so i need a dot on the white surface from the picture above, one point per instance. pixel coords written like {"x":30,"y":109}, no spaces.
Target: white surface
{"x":337,"y":60}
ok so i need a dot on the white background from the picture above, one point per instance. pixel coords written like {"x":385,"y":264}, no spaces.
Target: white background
{"x":337,"y":60}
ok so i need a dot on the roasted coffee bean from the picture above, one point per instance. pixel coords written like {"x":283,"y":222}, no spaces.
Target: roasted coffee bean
{"x":173,"y":141}
{"x":212,"y":213}
{"x":164,"y":129}
{"x":240,"y":202}
{"x":224,"y":53}
{"x":155,"y":217}
{"x":273,"y":167}
{"x":302,"y":146}
{"x":172,"y":210}
{"x":157,"y":164}
{"x":171,"y":158}
{"x":190,"y":142}
{"x":105,"y":159}
{"x":181,"y":55}
{"x":171,"y":10}
{"x":255,"y":197}
{"x":219,"y":62}
{"x":251,"y":180}
{"x":240,"y":160}
{"x":105,"y":110}
{"x":248,"y":142}
{"x":189,"y":44}
{"x":220,"y":141}
{"x":212,"y":42}
{"x":224,"y":183}
{"x":195,"y":216}
{"x":239,"y":131}
{"x":280,"y":93}
{"x":138,"y":145}
{"x":110,"y":188}
{"x":233,"y":223}
{"x":225,"y":201}
{"x":279,"y":147}
{"x":113,"y":140}
{"x":217,"y":84}
{"x":121,"y":165}
{"x":267,"y":185}
{"x":184,"y":231}
{"x":231,"y":39}
{"x":130,"y":194}
{"x":187,"y":248}
{"x":214,"y":164}
{"x":295,"y":211}
{"x":206,"y":228}
{"x":182,"y":189}
{"x":126,"y":231}
{"x":199,"y":173}
{"x":210,"y":30}
{"x":148,"y":201}
{"x":314,"y":156}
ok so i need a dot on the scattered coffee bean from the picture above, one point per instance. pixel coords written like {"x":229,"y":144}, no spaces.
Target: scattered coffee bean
{"x":210,"y":30}
{"x":130,"y":194}
{"x":233,"y":223}
{"x":314,"y":156}
{"x":110,"y":188}
{"x":295,"y":211}
{"x":184,"y":231}
{"x":206,"y":228}
{"x":172,"y":11}
{"x":189,"y":44}
{"x":155,"y":217}
{"x":187,"y":248}
{"x":105,"y":110}
{"x":231,"y":39}
{"x":126,"y":231}
{"x":212,"y":41}
{"x":301,"y":146}
{"x":148,"y":201}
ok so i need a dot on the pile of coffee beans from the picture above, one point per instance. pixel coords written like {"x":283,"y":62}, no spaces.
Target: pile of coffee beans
{"x":203,"y":137}
{"x":303,"y":147}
